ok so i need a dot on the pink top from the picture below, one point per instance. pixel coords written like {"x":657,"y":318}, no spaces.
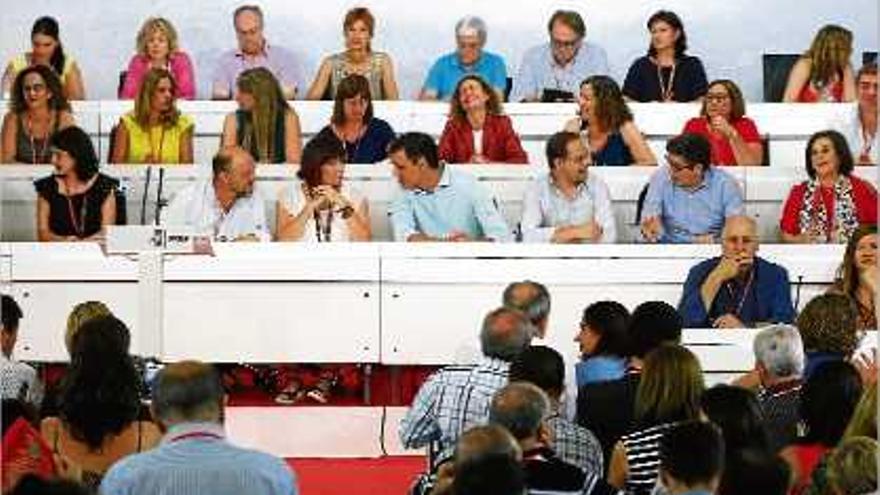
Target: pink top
{"x":179,"y":65}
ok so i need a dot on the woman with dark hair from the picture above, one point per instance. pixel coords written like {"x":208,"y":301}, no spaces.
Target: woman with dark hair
{"x":265,"y":124}
{"x":828,"y":400}
{"x":829,"y":206}
{"x":37,"y":110}
{"x":823,"y":73}
{"x":607,"y":125}
{"x":738,"y":413}
{"x":604,"y":343}
{"x":666,"y":73}
{"x":46,"y":50}
{"x":320,"y":207}
{"x":477,"y":130}
{"x":364,"y":137}
{"x":77,"y":201}
{"x":733,"y":136}
{"x":100,"y":402}
{"x":857,"y":275}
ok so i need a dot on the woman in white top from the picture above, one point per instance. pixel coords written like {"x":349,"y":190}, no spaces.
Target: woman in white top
{"x":319,"y":207}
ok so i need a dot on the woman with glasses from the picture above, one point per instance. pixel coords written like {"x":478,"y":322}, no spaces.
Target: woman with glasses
{"x":734,"y":138}
{"x":37,"y":110}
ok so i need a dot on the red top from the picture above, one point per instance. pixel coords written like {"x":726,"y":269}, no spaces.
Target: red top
{"x":722,"y":152}
{"x":806,"y":457}
{"x":500,"y":142}
{"x":864,"y":198}
{"x":809,"y":94}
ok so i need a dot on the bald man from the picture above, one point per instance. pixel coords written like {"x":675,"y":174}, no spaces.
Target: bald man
{"x":737,"y":289}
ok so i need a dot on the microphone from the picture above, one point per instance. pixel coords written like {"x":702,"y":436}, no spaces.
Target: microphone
{"x":144,"y":195}
{"x":159,"y":202}
{"x":797,"y":293}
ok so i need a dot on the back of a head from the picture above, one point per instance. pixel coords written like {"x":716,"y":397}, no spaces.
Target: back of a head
{"x":852,"y":466}
{"x":492,"y":474}
{"x":80,"y":314}
{"x":532,"y":298}
{"x":652,"y":324}
{"x":521,"y":408}
{"x":692,"y":453}
{"x":670,"y":387}
{"x":10,"y":313}
{"x":828,"y":400}
{"x":486,"y":440}
{"x":34,"y":485}
{"x":754,"y":472}
{"x":737,"y":412}
{"x":780,"y":351}
{"x":188,"y":391}
{"x":541,"y":366}
{"x":828,"y":324}
{"x":506,"y":332}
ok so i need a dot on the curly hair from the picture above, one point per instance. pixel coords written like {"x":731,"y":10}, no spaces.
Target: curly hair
{"x":828,"y":324}
{"x":57,"y":101}
{"x":101,"y":392}
{"x":152,"y":25}
{"x":737,"y":102}
{"x":610,"y":108}
{"x":841,"y":149}
{"x":493,"y":106}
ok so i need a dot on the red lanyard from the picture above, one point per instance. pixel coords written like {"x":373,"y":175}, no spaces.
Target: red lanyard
{"x":745,"y":293}
{"x":78,"y":227}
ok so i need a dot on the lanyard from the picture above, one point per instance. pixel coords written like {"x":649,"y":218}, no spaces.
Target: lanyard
{"x":665,"y":89}
{"x":745,"y":293}
{"x":78,"y":227}
{"x":323,"y":231}
{"x":156,"y":156}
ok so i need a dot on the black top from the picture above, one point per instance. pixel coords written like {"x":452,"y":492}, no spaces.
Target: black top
{"x":642,"y":83}
{"x":372,"y":147}
{"x":81,"y":216}
{"x":608,"y":409}
{"x":547,"y":473}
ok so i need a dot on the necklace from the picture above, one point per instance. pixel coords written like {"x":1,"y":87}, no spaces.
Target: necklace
{"x":78,"y":226}
{"x":745,"y":293}
{"x":867,"y":144}
{"x":665,"y":89}
{"x":38,"y":157}
{"x":323,"y":229}
{"x":351,"y":148}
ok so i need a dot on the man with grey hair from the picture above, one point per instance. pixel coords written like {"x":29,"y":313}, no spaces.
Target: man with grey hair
{"x":469,"y":58}
{"x":194,"y":456}
{"x":457,"y":397}
{"x":779,"y":365}
{"x":533,"y":299}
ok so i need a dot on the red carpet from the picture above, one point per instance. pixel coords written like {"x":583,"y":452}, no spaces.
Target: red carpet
{"x":383,"y":476}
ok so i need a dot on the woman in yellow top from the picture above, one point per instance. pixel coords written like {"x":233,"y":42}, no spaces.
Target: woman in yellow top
{"x":155,"y":131}
{"x":46,"y":50}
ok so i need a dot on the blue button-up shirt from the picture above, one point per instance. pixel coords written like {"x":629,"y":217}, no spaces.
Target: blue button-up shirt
{"x":448,"y":70}
{"x":540,"y":71}
{"x":194,"y":459}
{"x":458,"y":203}
{"x":685,"y":212}
{"x":545,"y":208}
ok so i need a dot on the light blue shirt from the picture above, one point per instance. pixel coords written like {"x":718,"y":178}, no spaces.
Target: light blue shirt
{"x":685,"y":213}
{"x":458,"y":203}
{"x":448,"y":70}
{"x":540,"y":71}
{"x":545,"y":208}
{"x":195,"y":459}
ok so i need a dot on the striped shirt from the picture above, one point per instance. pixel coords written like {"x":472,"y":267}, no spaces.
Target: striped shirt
{"x":643,"y":458}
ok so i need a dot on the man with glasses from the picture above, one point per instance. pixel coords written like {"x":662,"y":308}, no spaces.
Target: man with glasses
{"x":737,"y":289}
{"x":689,"y":199}
{"x":553,"y":71}
{"x":254,"y":51}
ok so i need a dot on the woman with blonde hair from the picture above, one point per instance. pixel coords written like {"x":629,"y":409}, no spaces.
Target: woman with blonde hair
{"x":157,"y":48}
{"x":265,"y":124}
{"x":155,"y":131}
{"x":79,"y":315}
{"x":823,"y":73}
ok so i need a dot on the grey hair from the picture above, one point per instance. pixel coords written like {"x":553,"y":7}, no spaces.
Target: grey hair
{"x":253,"y":9}
{"x":520,"y":407}
{"x":187,"y":391}
{"x":536,"y":308}
{"x":503,"y":344}
{"x":780,"y":350}
{"x":472,"y":22}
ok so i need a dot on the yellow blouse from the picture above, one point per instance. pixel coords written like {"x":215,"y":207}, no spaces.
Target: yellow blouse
{"x":157,"y":141}
{"x":22,"y":61}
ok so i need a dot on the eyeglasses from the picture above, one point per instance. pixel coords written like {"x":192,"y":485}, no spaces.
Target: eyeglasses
{"x":565,"y":45}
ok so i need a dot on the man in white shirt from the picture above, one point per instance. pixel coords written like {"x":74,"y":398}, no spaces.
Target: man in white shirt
{"x":225,"y":206}
{"x":17,"y":380}
{"x":860,"y":128}
{"x":568,"y":205}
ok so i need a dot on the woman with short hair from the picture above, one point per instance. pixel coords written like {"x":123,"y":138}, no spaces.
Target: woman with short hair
{"x":157,"y":48}
{"x":733,"y":136}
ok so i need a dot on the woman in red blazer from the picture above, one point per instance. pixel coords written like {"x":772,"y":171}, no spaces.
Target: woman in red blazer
{"x":476,"y":131}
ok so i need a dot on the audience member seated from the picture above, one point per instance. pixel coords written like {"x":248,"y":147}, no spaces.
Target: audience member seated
{"x":188,"y":403}
{"x":225,"y":206}
{"x":857,"y":275}
{"x":357,"y":59}
{"x":828,"y":328}
{"x":157,"y":48}
{"x":265,"y":124}
{"x":155,"y":131}
{"x":25,"y":453}
{"x":828,"y":400}
{"x":688,"y":200}
{"x":533,"y":299}
{"x":861,"y":128}
{"x":544,"y":368}
{"x":691,"y":459}
{"x":754,"y":472}
{"x":607,"y":125}
{"x":738,"y":414}
{"x":46,"y":50}
{"x":364,"y":136}
{"x":456,"y":398}
{"x":79,"y":315}
{"x":439,"y":203}
{"x":568,"y":204}
{"x":852,"y":468}
{"x":100,"y":403}
{"x":552,"y":71}
{"x":604,"y":343}
{"x":737,"y":289}
{"x":321,"y":206}
{"x":477,"y":130}
{"x":474,"y":445}
{"x":469,"y":58}
{"x":607,"y":408}
{"x":492,"y":474}
{"x":19,"y":380}
{"x":522,"y":408}
{"x":823,"y":73}
{"x":666,"y":73}
{"x":254,"y":51}
{"x":37,"y":110}
{"x":668,"y":393}
{"x":832,"y":203}
{"x":734,"y":137}
{"x":76,"y":202}
{"x":35,"y":485}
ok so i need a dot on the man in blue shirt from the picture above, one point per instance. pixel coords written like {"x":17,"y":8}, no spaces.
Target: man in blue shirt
{"x":738,"y":289}
{"x":688,"y":200}
{"x":469,"y":58}
{"x":438,"y":203}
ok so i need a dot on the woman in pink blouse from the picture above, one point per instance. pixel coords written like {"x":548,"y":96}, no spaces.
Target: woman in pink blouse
{"x":157,"y":48}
